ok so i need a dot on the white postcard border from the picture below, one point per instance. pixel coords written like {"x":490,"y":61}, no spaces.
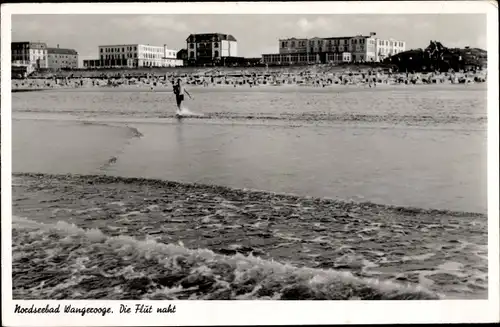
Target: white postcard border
{"x":263,"y":312}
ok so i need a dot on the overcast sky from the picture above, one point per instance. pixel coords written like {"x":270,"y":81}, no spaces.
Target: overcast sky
{"x":256,"y":34}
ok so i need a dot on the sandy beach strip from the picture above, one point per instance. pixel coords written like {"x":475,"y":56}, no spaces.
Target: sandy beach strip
{"x":148,"y":239}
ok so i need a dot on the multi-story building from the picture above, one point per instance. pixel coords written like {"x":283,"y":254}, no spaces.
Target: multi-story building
{"x":32,"y":55}
{"x":359,"y":48}
{"x":211,"y":48}
{"x":59,"y":58}
{"x":293,"y":45}
{"x":134,"y":55}
{"x":387,"y":48}
{"x":290,"y":59}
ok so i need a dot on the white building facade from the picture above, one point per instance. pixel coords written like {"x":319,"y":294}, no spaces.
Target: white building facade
{"x":210,"y":47}
{"x":134,"y":55}
{"x":387,"y":48}
{"x":59,"y":58}
{"x":359,"y":48}
{"x":32,"y":55}
{"x":290,"y":59}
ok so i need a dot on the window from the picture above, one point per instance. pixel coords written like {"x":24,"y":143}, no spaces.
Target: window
{"x":101,"y":50}
{"x":283,"y":44}
{"x":123,"y":49}
{"x":216,"y":54}
{"x":293,"y":44}
{"x":216,"y":45}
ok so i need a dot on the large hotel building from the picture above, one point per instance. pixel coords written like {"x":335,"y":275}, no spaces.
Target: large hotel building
{"x":60,"y":58}
{"x":134,"y":55}
{"x":360,"y":48}
{"x":210,"y":48}
{"x":31,"y":56}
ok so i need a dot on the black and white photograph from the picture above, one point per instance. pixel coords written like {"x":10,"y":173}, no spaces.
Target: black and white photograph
{"x":246,"y":156}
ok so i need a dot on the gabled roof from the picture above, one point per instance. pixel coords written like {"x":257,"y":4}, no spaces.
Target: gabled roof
{"x":207,"y":36}
{"x":61,"y":51}
{"x":338,"y":37}
{"x":32,"y":45}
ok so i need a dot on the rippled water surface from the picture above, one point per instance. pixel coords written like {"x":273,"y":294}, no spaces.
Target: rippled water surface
{"x":418,"y":147}
{"x":407,"y":146}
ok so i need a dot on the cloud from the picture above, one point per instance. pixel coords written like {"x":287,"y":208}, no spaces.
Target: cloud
{"x":319,"y":25}
{"x":304,"y":25}
{"x":256,"y":34}
{"x":154,"y":23}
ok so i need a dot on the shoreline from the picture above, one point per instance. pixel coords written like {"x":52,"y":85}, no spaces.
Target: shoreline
{"x":96,"y":178}
{"x":367,"y":243}
{"x":162,"y":87}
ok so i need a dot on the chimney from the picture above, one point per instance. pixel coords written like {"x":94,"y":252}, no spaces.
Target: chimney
{"x":58,"y":46}
{"x":164,"y":51}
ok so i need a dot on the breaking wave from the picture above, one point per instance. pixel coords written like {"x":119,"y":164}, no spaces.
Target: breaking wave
{"x":63,"y":261}
{"x":128,"y":243}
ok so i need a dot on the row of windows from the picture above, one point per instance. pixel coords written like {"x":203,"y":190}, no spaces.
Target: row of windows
{"x":117,"y":56}
{"x":284,"y":44}
{"x":344,"y":56}
{"x":130,"y":56}
{"x":191,"y":54}
{"x":152,"y":56}
{"x":390,"y":43}
{"x":153,"y":49}
{"x":337,"y":48}
{"x":388,"y":51}
{"x":134,"y":48}
{"x":117,"y":49}
{"x":66,"y":62}
{"x":34,"y":51}
{"x":62,"y":56}
{"x":191,"y":45}
{"x":24,"y":58}
{"x":288,"y":58}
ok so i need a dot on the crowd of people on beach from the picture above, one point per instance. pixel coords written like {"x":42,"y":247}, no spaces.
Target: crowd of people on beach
{"x":251,"y":78}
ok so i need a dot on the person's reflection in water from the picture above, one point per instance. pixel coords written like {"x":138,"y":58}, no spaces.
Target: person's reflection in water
{"x":179,"y":133}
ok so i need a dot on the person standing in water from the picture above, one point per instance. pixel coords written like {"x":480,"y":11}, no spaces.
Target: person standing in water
{"x":179,"y":91}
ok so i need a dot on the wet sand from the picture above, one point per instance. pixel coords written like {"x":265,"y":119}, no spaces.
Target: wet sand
{"x":347,"y":250}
